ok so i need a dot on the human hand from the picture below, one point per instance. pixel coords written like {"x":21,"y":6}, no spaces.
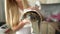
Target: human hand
{"x":37,"y":8}
{"x":26,"y":21}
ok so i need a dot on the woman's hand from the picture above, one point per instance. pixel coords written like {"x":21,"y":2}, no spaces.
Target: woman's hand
{"x":20,"y":25}
{"x":26,"y":21}
{"x":37,"y":8}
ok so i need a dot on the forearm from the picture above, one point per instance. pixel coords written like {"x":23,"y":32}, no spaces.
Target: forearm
{"x":17,"y":27}
{"x":20,"y":25}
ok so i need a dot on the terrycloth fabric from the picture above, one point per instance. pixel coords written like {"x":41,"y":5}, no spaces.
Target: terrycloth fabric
{"x":24,"y":31}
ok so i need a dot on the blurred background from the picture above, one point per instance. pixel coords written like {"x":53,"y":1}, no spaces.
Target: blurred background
{"x":2,"y":12}
{"x":48,"y":8}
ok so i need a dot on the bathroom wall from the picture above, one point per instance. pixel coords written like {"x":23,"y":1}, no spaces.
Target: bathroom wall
{"x":49,"y":9}
{"x":2,"y":14}
{"x":49,"y":1}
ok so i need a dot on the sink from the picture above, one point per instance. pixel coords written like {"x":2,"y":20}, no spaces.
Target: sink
{"x":3,"y":29}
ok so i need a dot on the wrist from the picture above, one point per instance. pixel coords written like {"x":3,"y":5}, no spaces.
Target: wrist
{"x":21,"y":23}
